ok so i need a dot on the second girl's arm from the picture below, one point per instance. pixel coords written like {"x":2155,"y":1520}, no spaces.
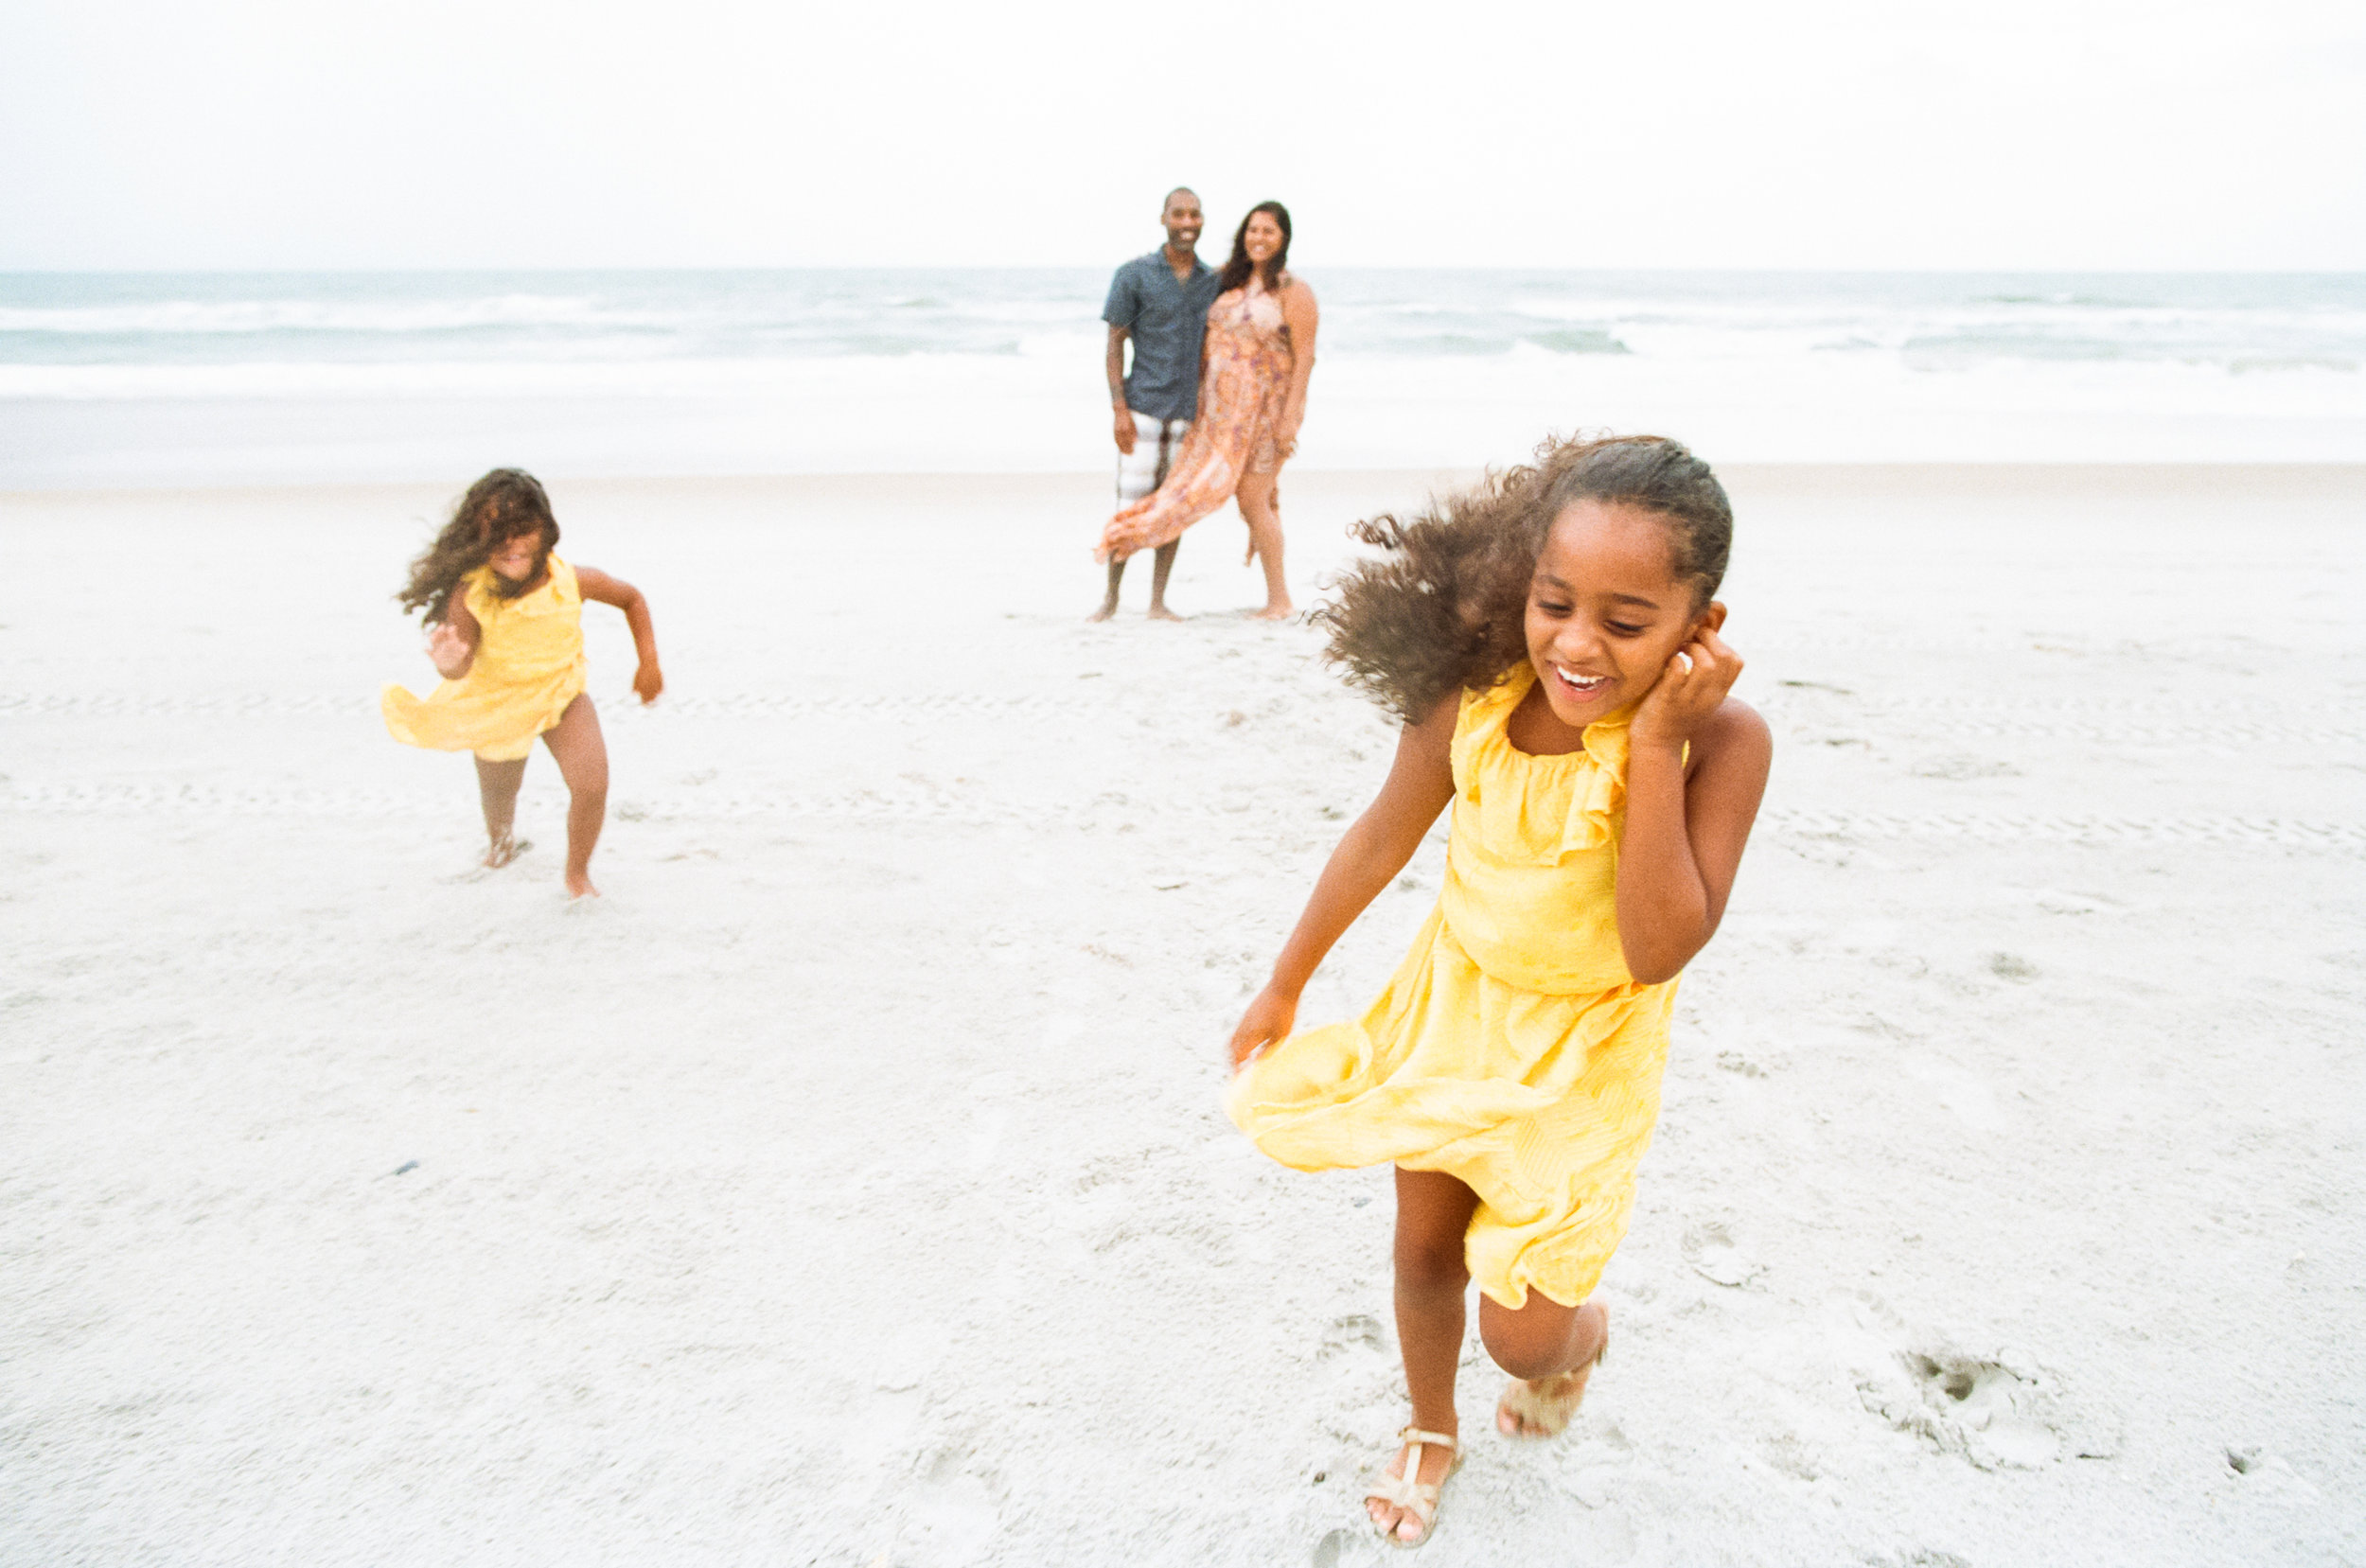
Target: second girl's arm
{"x":452,"y":641}
{"x":648,"y":681}
{"x":1371,"y":855}
{"x":1684,"y":834}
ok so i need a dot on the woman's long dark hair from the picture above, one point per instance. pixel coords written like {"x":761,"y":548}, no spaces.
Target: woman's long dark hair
{"x":503,"y":505}
{"x":1235,"y":273}
{"x":1444,"y":605}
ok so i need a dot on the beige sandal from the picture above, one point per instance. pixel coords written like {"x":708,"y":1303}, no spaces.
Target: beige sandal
{"x":1409,"y":1491}
{"x":1548,"y":1415}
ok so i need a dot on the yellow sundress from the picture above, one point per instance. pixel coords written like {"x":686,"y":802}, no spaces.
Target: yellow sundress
{"x":529,"y":665}
{"x":1512,"y":1050}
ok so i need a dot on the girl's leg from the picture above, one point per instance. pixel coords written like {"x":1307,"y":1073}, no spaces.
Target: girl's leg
{"x":1551,"y":1350}
{"x":1259,"y":504}
{"x":1433,"y":1212}
{"x":582,"y":755}
{"x":497,"y":788}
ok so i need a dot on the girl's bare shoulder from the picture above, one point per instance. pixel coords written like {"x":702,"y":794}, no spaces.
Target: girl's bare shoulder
{"x":1737,"y":736}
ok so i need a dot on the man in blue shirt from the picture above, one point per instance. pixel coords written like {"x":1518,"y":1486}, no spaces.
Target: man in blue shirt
{"x":1159,"y":303}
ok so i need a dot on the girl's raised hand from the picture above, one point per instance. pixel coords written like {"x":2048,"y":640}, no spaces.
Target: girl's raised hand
{"x":447,"y":650}
{"x":1267,"y":1021}
{"x":1692,"y":687}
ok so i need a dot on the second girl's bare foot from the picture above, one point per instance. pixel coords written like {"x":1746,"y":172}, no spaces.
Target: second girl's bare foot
{"x":1542,"y":1407}
{"x":1160,"y":613}
{"x":1102,"y":613}
{"x":579,"y":886}
{"x":503,"y":850}
{"x":1282,"y":612}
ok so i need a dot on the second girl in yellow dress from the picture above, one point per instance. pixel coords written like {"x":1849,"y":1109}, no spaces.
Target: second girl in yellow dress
{"x":505,"y":631}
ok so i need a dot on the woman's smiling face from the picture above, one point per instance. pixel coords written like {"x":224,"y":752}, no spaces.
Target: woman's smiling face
{"x":1262,"y":238}
{"x":1606,"y":610}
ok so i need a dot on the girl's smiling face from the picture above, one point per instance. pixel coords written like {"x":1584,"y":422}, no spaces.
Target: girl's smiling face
{"x":1606,"y":610}
{"x":516,"y":557}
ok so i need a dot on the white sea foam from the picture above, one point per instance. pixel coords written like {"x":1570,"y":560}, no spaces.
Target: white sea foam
{"x":803,"y":370}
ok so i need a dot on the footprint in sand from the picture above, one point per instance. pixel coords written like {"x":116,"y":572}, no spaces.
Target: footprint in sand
{"x":1338,"y":1546}
{"x":1710,"y":1250}
{"x":1356,"y":1331}
{"x":1997,"y":1411}
{"x":950,"y":1518}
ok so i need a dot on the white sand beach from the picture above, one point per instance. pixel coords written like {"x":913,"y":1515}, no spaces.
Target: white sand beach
{"x":850,"y":1187}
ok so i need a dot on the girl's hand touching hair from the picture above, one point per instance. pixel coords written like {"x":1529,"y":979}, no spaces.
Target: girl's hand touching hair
{"x":1267,"y":1022}
{"x":1691,"y":690}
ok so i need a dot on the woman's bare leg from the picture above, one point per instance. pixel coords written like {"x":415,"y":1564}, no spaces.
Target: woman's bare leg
{"x":1259,"y":500}
{"x":1433,"y":1213}
{"x":497,"y":789}
{"x":582,"y":753}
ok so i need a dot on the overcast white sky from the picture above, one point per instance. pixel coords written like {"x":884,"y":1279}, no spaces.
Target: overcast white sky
{"x":2011,"y":133}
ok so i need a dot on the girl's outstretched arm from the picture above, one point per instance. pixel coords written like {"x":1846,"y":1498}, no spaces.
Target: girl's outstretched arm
{"x":648,"y":681}
{"x":1684,"y":834}
{"x":1420,"y":784}
{"x":452,"y":641}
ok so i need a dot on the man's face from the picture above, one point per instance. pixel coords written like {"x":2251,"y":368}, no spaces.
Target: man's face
{"x":1183,"y":220}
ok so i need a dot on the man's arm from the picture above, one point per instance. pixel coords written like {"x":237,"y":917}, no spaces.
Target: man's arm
{"x":1117,"y":387}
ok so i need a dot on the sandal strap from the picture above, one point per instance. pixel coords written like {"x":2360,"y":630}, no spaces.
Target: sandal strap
{"x":1415,"y":1436}
{"x":1421,"y":1496}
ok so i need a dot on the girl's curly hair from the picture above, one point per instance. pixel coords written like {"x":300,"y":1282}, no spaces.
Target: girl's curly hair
{"x":503,"y":505}
{"x":1445,"y":606}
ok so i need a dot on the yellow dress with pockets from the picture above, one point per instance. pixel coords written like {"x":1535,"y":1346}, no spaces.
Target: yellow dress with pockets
{"x":1511,"y":1049}
{"x":529,"y":665}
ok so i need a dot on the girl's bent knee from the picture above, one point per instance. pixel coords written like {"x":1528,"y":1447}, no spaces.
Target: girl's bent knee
{"x":1527,"y":1362}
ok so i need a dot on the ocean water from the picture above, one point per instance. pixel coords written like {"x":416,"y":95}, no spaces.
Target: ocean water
{"x":163,"y":378}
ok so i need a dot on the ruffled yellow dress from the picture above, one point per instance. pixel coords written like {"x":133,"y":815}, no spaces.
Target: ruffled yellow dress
{"x":529,"y":665}
{"x":1512,"y":1050}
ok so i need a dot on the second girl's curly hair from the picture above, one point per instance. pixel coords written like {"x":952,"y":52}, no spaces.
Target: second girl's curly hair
{"x":502,"y":506}
{"x":1444,"y":606}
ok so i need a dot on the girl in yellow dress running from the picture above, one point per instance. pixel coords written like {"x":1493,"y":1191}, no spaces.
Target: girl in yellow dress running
{"x":504,"y":620}
{"x":1551,"y":641}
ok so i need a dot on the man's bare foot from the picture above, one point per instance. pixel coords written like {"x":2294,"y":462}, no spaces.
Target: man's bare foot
{"x":579,"y":886}
{"x":1160,"y":613}
{"x":1401,"y":1520}
{"x":1102,"y":613}
{"x":1282,"y":612}
{"x":503,"y":850}
{"x":1542,"y":1407}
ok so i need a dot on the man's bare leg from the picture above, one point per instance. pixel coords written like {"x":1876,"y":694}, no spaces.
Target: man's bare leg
{"x":1161,"y":566}
{"x":1433,"y":1214}
{"x":497,"y":789}
{"x":1110,"y":600}
{"x":576,"y":741}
